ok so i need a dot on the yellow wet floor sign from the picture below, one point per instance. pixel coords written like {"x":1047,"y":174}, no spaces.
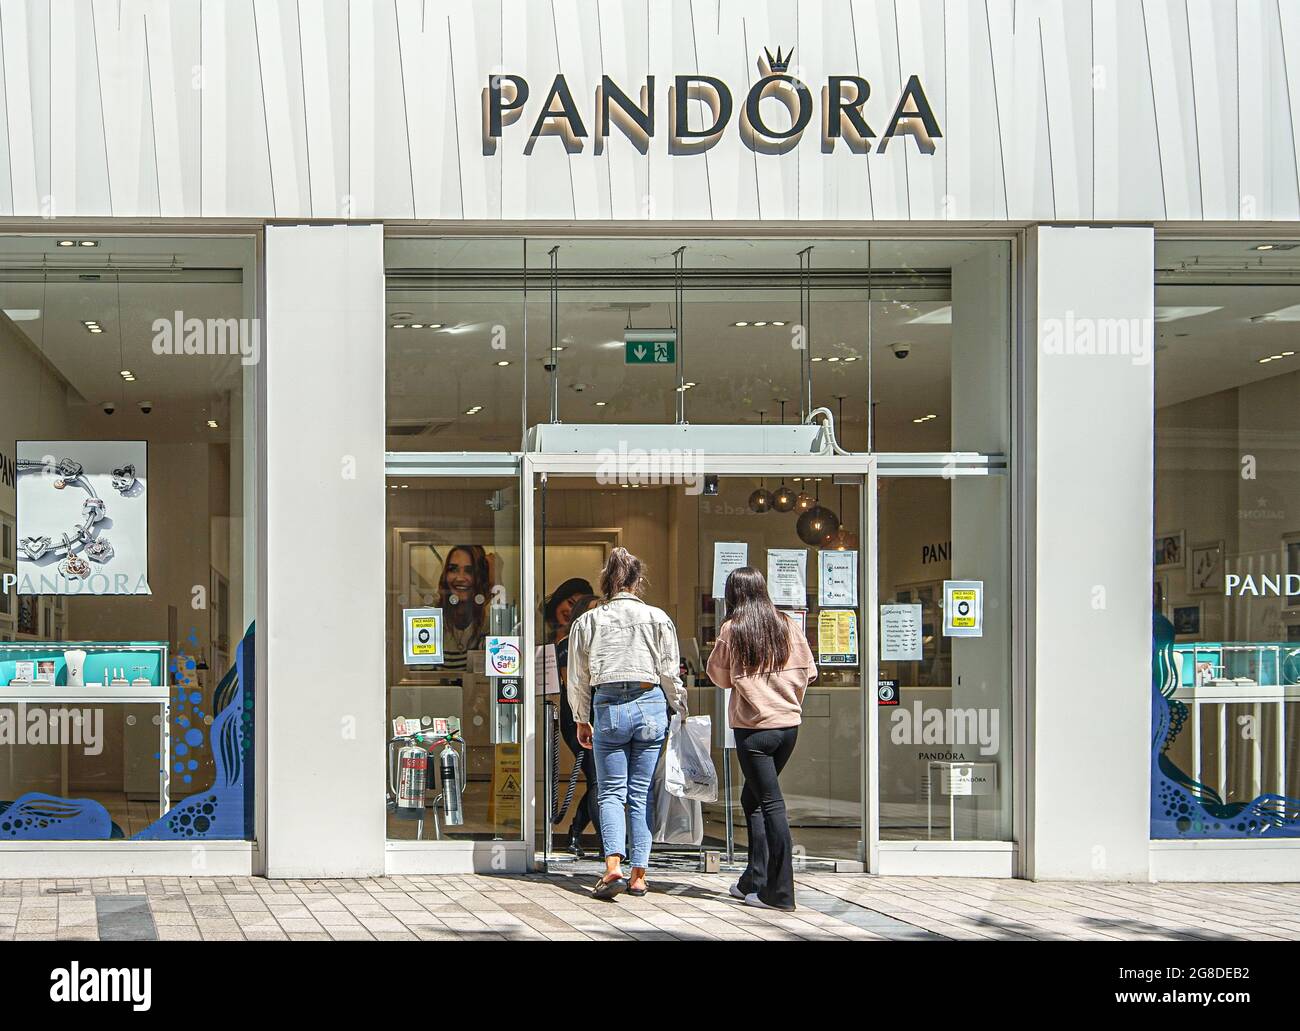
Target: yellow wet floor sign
{"x":507,"y":787}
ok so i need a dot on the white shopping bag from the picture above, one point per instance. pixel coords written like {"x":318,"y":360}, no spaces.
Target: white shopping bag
{"x":688,"y":762}
{"x":677,"y":821}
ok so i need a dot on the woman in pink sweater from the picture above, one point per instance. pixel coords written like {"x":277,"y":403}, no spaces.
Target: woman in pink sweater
{"x":762,"y":656}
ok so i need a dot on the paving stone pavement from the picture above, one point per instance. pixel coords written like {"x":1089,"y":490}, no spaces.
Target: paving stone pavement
{"x":681,"y":906}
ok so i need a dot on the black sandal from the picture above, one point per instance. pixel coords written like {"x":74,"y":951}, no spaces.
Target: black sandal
{"x":609,"y":890}
{"x":637,"y":893}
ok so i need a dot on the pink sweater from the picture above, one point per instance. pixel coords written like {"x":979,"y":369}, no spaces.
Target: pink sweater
{"x":760,"y":701}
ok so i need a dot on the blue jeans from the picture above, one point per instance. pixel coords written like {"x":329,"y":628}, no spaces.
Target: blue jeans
{"x":629,"y":724}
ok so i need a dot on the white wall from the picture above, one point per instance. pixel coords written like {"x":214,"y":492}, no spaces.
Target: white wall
{"x":1089,"y":692}
{"x":1157,"y":110}
{"x":325,"y":551}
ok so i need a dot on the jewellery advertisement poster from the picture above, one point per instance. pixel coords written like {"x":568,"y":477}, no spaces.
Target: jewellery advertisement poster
{"x":83,"y":517}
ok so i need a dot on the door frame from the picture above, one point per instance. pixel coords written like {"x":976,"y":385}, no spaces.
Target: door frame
{"x":534,"y":465}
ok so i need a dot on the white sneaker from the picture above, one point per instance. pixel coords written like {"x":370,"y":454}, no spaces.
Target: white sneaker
{"x":752,"y":899}
{"x":735,"y":892}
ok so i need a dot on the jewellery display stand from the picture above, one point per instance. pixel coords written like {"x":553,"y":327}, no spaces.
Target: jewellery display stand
{"x":148,"y":657}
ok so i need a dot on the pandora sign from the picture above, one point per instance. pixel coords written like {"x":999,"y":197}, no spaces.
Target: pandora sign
{"x":772,"y":117}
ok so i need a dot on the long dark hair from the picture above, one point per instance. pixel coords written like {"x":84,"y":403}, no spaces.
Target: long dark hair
{"x":760,"y":635}
{"x":623,"y":572}
{"x":575,"y":587}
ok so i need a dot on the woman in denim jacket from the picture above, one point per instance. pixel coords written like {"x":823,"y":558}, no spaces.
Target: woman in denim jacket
{"x":624,"y":680}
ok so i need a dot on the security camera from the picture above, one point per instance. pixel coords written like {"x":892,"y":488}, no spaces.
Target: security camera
{"x":901,"y":349}
{"x":549,"y":366}
{"x":108,"y":407}
{"x":578,"y":388}
{"x":145,"y":406}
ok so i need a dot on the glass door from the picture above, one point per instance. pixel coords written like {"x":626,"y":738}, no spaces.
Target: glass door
{"x":803,"y":532}
{"x":805,"y":522}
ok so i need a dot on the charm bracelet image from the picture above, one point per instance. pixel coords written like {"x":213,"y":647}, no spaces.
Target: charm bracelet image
{"x":83,"y":542}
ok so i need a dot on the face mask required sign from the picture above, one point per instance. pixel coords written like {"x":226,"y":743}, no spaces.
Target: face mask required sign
{"x":422,"y":637}
{"x":963,"y":608}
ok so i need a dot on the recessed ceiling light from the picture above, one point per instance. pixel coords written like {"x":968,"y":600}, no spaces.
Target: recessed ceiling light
{"x":502,"y":364}
{"x":760,"y":323}
{"x":1263,"y":247}
{"x":833,"y":358}
{"x":89,"y":243}
{"x":851,"y":358}
{"x":1276,"y":357}
{"x":399,"y":325}
{"x":815,"y":359}
{"x":434,"y":325}
{"x":601,"y":404}
{"x":212,"y":424}
{"x":1265,"y":361}
{"x":1287,"y":354}
{"x":778,"y":323}
{"x":126,"y":372}
{"x":67,"y":243}
{"x":741,"y":325}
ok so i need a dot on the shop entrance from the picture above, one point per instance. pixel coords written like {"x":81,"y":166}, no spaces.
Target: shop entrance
{"x":805,"y":513}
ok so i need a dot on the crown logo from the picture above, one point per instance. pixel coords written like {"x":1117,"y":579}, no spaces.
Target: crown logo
{"x":779,"y":63}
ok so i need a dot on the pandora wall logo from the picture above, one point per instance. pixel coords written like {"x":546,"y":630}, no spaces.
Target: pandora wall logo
{"x":774,"y":116}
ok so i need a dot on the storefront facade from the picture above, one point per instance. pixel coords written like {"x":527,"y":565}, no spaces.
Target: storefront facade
{"x":403,"y":315}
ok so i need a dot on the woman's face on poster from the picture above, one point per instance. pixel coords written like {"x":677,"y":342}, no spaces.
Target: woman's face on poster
{"x":459,"y":573}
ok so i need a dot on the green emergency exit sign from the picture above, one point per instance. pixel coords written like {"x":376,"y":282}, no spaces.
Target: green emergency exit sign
{"x":650,"y":347}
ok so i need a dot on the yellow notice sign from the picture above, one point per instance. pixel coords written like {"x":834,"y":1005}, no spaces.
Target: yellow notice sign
{"x":507,"y":788}
{"x":837,"y":637}
{"x":422,"y":636}
{"x":964,"y":608}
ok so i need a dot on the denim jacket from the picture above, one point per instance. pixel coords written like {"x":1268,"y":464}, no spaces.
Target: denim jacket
{"x":624,"y":639}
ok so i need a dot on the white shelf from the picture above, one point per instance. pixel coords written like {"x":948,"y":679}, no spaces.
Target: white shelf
{"x":92,"y":693}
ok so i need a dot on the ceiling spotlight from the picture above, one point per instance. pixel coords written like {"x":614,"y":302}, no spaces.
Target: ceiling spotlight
{"x":760,"y":323}
{"x":399,"y":325}
{"x":502,"y":364}
{"x":816,"y":359}
{"x":741,"y":324}
{"x":434,"y":325}
{"x":1265,"y":361}
{"x":833,"y":358}
{"x":1287,"y":354}
{"x":126,"y":374}
{"x":851,"y":358}
{"x":67,"y":243}
{"x":601,"y":404}
{"x":417,"y":325}
{"x":778,"y":323}
{"x":89,"y":243}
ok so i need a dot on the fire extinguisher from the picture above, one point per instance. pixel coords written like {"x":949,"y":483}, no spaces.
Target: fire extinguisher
{"x":412,"y":779}
{"x":449,"y":766}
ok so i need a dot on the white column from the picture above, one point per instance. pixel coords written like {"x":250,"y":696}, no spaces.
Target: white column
{"x":324,"y":551}
{"x":1091,"y":293}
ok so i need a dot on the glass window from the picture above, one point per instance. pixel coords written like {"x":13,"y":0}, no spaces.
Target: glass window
{"x":1226,"y":555}
{"x":945,"y":727}
{"x":127,"y":488}
{"x":453,"y":753}
{"x":454,"y":344}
